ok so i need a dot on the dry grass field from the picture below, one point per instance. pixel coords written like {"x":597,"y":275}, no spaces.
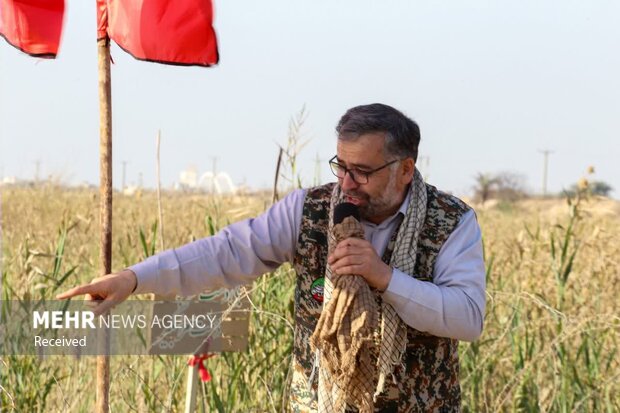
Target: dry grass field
{"x":550,"y":343}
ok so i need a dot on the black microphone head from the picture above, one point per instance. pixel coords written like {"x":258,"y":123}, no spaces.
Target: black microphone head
{"x":345,"y":209}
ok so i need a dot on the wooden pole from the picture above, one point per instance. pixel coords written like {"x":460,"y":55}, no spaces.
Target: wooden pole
{"x":275,"y":197}
{"x":191,"y":389}
{"x":105,"y":206}
{"x":159,"y":207}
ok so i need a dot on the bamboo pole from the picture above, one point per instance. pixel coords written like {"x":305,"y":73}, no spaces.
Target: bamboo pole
{"x":105,"y":207}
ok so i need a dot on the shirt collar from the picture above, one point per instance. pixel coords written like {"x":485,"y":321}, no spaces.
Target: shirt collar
{"x":405,"y":204}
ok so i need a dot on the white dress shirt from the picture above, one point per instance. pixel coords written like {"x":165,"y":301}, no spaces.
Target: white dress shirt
{"x":452,"y":305}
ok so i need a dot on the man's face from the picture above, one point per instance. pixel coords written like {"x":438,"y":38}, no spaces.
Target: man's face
{"x":385,"y":190}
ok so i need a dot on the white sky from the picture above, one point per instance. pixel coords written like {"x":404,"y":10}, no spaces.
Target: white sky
{"x":489,"y":82}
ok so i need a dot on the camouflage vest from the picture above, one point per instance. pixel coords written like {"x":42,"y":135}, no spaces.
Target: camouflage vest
{"x":429,"y":380}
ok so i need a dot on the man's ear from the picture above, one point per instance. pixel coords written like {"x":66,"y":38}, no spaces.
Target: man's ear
{"x":408,"y":165}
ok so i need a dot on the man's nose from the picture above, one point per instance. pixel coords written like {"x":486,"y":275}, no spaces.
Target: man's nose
{"x":348,"y":182}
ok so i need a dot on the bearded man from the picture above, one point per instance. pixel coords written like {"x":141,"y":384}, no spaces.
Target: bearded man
{"x":421,"y":256}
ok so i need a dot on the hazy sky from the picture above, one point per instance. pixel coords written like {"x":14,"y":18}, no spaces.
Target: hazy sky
{"x":489,"y":82}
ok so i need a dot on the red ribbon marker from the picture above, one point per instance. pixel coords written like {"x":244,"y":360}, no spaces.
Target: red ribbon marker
{"x":202,"y":369}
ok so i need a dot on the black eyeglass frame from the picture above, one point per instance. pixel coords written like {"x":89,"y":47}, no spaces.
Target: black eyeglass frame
{"x":355,"y":175}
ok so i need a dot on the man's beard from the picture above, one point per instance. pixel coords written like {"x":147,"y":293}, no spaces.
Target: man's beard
{"x":380,"y":205}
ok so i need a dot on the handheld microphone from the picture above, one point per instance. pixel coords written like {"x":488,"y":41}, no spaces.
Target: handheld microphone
{"x":345,"y":209}
{"x":347,"y":222}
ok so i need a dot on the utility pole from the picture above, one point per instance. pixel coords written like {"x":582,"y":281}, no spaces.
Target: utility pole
{"x":424,"y":162}
{"x":124,"y":174}
{"x":214,"y":162}
{"x":317,"y":170}
{"x":37,"y":167}
{"x":546,"y":153}
{"x":215,"y":186}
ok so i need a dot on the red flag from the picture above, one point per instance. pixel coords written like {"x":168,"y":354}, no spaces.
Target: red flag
{"x":32,"y":26}
{"x":165,"y":31}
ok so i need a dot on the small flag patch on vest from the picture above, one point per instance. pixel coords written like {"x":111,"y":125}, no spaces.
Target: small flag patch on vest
{"x":317,"y":289}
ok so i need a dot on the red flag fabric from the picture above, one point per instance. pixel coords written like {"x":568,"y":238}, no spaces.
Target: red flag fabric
{"x":166,"y":31}
{"x":32,"y":26}
{"x":200,"y":360}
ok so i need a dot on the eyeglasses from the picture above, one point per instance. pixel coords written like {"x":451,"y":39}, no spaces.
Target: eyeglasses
{"x":358,"y":176}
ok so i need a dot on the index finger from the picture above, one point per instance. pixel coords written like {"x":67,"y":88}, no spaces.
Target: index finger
{"x":347,"y":247}
{"x":79,"y":290}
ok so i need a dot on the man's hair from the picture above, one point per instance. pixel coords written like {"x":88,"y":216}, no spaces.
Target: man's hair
{"x":402,"y":135}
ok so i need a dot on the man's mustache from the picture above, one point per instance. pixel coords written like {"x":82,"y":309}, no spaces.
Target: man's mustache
{"x":354,"y":194}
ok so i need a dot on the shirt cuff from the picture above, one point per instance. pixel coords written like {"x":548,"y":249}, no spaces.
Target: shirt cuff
{"x":148,"y":273}
{"x":399,"y":285}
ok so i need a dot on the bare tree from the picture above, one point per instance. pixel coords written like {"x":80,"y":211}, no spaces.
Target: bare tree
{"x":510,"y":186}
{"x":485,"y":183}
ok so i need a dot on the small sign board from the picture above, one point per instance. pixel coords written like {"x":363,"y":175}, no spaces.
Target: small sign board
{"x":215,"y":322}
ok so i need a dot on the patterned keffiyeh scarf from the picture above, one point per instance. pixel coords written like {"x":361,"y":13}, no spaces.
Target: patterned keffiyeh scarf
{"x":343,"y":339}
